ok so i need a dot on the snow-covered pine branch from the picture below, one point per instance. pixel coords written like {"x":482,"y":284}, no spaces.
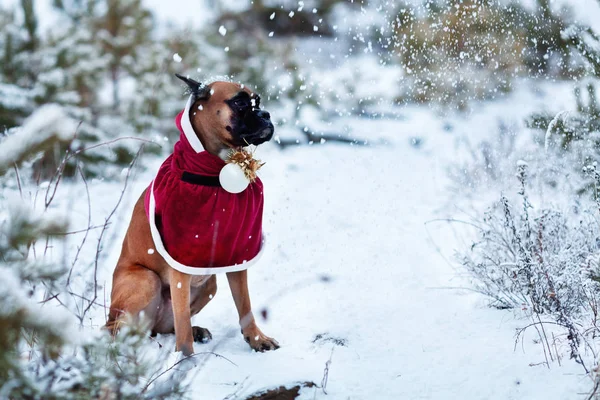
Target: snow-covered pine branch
{"x":560,"y":117}
{"x":47,"y":125}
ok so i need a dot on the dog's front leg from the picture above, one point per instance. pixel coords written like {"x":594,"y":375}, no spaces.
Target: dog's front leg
{"x":180,"y":298}
{"x":238,"y":282}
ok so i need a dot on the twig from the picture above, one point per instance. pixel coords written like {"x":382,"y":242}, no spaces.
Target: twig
{"x":540,"y":363}
{"x":55,"y":297}
{"x":236,"y":392}
{"x":326,"y":372}
{"x":556,"y":349}
{"x":160,"y":345}
{"x":595,"y":390}
{"x":59,"y":172}
{"x":521,"y":331}
{"x":75,"y":232}
{"x":114,"y":141}
{"x":18,"y":179}
{"x":69,"y":156}
{"x":104,"y":305}
{"x":541,"y":339}
{"x":185,"y":359}
{"x":104,"y":227}
{"x":87,"y":231}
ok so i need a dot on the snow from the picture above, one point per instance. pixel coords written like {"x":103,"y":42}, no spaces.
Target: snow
{"x":12,"y":96}
{"x":352,"y":272}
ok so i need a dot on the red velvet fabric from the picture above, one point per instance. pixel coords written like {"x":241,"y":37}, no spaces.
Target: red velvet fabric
{"x":203,"y":226}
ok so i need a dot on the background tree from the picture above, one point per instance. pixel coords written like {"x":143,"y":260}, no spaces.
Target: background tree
{"x":122,"y":29}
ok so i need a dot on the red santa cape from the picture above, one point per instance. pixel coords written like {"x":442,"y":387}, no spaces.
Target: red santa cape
{"x":198,"y":229}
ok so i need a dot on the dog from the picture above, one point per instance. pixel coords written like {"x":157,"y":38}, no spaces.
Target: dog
{"x":170,"y":252}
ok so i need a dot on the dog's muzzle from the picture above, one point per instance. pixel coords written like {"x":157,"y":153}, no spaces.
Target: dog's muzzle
{"x":261,"y":128}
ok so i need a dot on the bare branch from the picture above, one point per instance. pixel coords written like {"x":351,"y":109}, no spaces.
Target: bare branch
{"x":326,"y":372}
{"x":87,"y":191}
{"x":16,"y":168}
{"x":185,"y":359}
{"x":104,"y":227}
{"x":77,"y":231}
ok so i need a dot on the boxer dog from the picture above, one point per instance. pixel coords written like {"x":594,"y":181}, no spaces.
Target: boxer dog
{"x":185,"y":227}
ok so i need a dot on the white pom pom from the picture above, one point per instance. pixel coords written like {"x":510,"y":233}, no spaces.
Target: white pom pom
{"x":233,"y":179}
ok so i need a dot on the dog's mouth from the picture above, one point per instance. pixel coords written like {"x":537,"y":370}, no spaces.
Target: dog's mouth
{"x":254,"y":128}
{"x":262,"y":135}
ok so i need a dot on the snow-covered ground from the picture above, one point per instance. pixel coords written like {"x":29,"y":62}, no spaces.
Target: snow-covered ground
{"x":359,"y":277}
{"x":354,"y":273}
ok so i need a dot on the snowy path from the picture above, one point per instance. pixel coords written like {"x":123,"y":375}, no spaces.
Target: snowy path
{"x":357,"y":215}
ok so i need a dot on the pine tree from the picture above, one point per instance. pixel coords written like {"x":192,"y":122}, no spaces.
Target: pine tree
{"x":585,"y":42}
{"x":38,"y":327}
{"x":575,"y":133}
{"x":124,"y":27}
{"x":73,"y":68}
{"x":31,"y":24}
{"x":16,"y":94}
{"x":158,"y":94}
{"x":67,"y":67}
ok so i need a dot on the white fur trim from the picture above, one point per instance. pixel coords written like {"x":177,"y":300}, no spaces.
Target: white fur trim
{"x":184,"y":268}
{"x":188,"y":130}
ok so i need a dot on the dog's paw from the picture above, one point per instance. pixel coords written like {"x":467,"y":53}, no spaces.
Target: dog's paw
{"x":201,"y":335}
{"x":258,"y":341}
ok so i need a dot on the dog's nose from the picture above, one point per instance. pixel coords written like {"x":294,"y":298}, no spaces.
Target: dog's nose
{"x":263,"y":115}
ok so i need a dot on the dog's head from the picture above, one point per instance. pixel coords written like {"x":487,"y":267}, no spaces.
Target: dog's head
{"x":227,"y":115}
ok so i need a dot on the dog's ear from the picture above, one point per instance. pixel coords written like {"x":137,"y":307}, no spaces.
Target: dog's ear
{"x":197,"y":89}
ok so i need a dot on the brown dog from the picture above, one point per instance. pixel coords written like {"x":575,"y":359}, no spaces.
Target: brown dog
{"x":144,"y":281}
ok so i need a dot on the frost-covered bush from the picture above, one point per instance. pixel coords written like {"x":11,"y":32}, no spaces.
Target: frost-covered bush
{"x":535,"y":258}
{"x":543,"y":261}
{"x":540,"y":253}
{"x":487,"y":162}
